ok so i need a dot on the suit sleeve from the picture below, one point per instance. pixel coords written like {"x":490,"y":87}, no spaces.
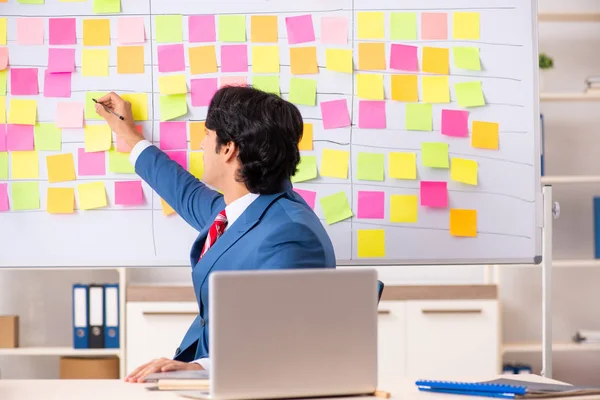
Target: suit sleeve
{"x":191,"y":199}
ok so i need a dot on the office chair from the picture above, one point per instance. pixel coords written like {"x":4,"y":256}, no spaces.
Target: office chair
{"x":380,"y":287}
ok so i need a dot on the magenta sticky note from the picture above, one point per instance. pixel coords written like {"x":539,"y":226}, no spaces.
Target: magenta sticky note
{"x":309,"y":196}
{"x":69,"y":115}
{"x":4,"y":197}
{"x":180,"y":157}
{"x":404,"y":57}
{"x":300,"y":29}
{"x":130,"y":30}
{"x":171,"y":58}
{"x":30,"y":31}
{"x":129,"y":193}
{"x":3,"y":58}
{"x":455,"y":123}
{"x":122,"y":146}
{"x":434,"y":26}
{"x":57,"y":85}
{"x":91,"y":163}
{"x":371,"y":114}
{"x":234,"y":58}
{"x":61,"y":60}
{"x":24,"y":81}
{"x":434,"y":194}
{"x":19,"y":137}
{"x":233,"y":81}
{"x":203,"y":90}
{"x":2,"y":137}
{"x":62,"y":31}
{"x":371,"y":204}
{"x":173,"y":135}
{"x":335,"y":114}
{"x":334,"y":30}
{"x":201,"y":28}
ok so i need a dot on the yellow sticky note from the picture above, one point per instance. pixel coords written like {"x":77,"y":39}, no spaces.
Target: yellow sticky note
{"x":464,"y":171}
{"x":203,"y":60}
{"x":197,"y":164}
{"x":3,"y":31}
{"x":172,"y":84}
{"x":436,"y":60}
{"x":306,"y":169}
{"x":139,"y":105}
{"x":22,"y":112}
{"x":371,"y":25}
{"x":3,"y":75}
{"x":263,"y":29}
{"x":339,"y":60}
{"x":2,"y":109}
{"x":24,"y":165}
{"x":371,"y":243}
{"x":166,"y":208}
{"x":405,"y":88}
{"x":306,"y":143}
{"x":60,"y":200}
{"x":97,"y":138}
{"x":370,"y":86}
{"x":96,"y":32}
{"x":334,"y":163}
{"x":371,"y":56}
{"x":304,"y":60}
{"x":434,"y":154}
{"x":94,"y":62}
{"x":265,"y":59}
{"x":404,"y":208}
{"x":91,"y":195}
{"x":465,"y":25}
{"x":172,"y":106}
{"x":467,"y":58}
{"x":403,"y":165}
{"x":463,"y":222}
{"x":130,"y":59}
{"x":485,"y":135}
{"x":197,"y":134}
{"x":436,"y":89}
{"x":61,"y":168}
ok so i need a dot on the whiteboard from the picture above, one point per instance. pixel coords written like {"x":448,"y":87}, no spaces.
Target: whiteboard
{"x":507,"y":198}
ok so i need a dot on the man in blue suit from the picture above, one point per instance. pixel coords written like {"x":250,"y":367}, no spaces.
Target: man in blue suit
{"x":258,"y":222}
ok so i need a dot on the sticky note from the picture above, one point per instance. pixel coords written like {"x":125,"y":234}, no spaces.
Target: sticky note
{"x":197,"y":134}
{"x":173,"y":106}
{"x":2,"y":110}
{"x":119,"y":163}
{"x":96,"y":32}
{"x":201,"y":28}
{"x":30,"y":31}
{"x":139,"y":105}
{"x":122,"y":145}
{"x":107,"y":6}
{"x":94,"y":62}
{"x":2,"y":31}
{"x":3,"y":58}
{"x":371,"y":25}
{"x":24,"y":165}
{"x":335,"y":114}
{"x":436,"y":89}
{"x":434,"y":155}
{"x":263,"y":29}
{"x":485,"y":135}
{"x":265,"y":59}
{"x":3,"y":138}
{"x":370,"y":167}
{"x":404,"y":57}
{"x":3,"y":166}
{"x":371,"y":205}
{"x":234,"y":58}
{"x":172,"y":84}
{"x":370,"y":86}
{"x":304,"y":60}
{"x":203,"y":60}
{"x":334,"y":30}
{"x":266,"y":83}
{"x":303,"y":91}
{"x":371,"y":243}
{"x":19,"y":137}
{"x":180,"y":157}
{"x":169,"y":28}
{"x":436,"y":60}
{"x":465,"y":25}
{"x":455,"y":123}
{"x":61,"y":60}
{"x":405,"y":88}
{"x":403,"y":26}
{"x":62,"y":31}
{"x":25,"y":196}
{"x":4,"y":206}
{"x":69,"y":115}
{"x":173,"y":135}
{"x":130,"y":30}
{"x":466,"y":58}
{"x":404,"y":208}
{"x":308,"y":196}
{"x":232,"y":28}
{"x":197,"y":164}
{"x":464,"y":171}
{"x":129,"y":193}
{"x":339,"y":60}
{"x":300,"y":29}
{"x":434,"y":194}
{"x":434,"y":26}
{"x":90,"y":106}
{"x":60,"y":200}
{"x":306,"y":169}
{"x":334,"y":163}
{"x":233,"y":81}
{"x":47,"y":137}
{"x":419,"y":117}
{"x":202,"y":91}
{"x":61,"y":168}
{"x":371,"y":114}
{"x":91,"y":195}
{"x":403,"y":165}
{"x":469,"y":94}
{"x":130,"y":59}
{"x":24,"y":81}
{"x":22,"y":112}
{"x":166,"y":208}
{"x":336,"y":208}
{"x":3,"y":75}
{"x":57,"y":85}
{"x":371,"y":56}
{"x":171,"y":58}
{"x":90,"y":163}
{"x":30,"y":1}
{"x":463,"y":222}
{"x":97,"y":138}
{"x":306,"y":143}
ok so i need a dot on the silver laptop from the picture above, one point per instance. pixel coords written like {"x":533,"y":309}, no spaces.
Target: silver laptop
{"x":292,"y":333}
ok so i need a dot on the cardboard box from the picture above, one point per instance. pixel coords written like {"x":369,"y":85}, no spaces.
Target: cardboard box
{"x":89,"y":367}
{"x":9,"y":331}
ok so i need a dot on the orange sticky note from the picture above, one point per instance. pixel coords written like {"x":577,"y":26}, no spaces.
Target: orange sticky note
{"x":130,"y":59}
{"x":60,"y":200}
{"x":304,"y":60}
{"x":463,"y":222}
{"x":203,"y":60}
{"x":96,"y":32}
{"x":485,"y":135}
{"x":197,"y":133}
{"x":61,"y":168}
{"x":371,"y":56}
{"x":436,"y":60}
{"x":307,"y":138}
{"x":264,"y":29}
{"x":405,"y":88}
{"x":167,"y":209}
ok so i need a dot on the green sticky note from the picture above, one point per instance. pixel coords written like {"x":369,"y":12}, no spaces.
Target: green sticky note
{"x":403,"y":26}
{"x":303,"y":91}
{"x":435,"y":155}
{"x":169,"y":29}
{"x":172,"y":106}
{"x":266,"y":83}
{"x":466,"y":58}
{"x":232,"y":28}
{"x":419,"y":117}
{"x":3,"y":75}
{"x":47,"y":137}
{"x":31,"y":1}
{"x":307,"y":169}
{"x":336,"y":208}
{"x":90,"y":106}
{"x":25,"y":196}
{"x":469,"y":94}
{"x":118,"y":163}
{"x":107,"y":6}
{"x":3,"y":166}
{"x":370,"y":166}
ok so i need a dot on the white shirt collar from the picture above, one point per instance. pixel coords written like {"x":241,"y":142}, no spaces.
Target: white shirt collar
{"x":237,"y":208}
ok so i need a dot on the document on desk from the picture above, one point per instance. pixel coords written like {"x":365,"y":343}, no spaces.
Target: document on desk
{"x":178,"y":375}
{"x":536,"y":390}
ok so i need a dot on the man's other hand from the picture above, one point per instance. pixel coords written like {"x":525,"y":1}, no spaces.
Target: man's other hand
{"x":159,"y":365}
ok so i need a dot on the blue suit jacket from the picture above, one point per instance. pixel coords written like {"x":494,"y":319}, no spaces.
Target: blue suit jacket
{"x":277,"y":231}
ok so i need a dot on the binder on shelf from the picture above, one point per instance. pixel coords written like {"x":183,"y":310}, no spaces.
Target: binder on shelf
{"x":111,"y":321}
{"x":597,"y":227}
{"x":542,"y":144}
{"x":80,"y":317}
{"x":96,"y":316}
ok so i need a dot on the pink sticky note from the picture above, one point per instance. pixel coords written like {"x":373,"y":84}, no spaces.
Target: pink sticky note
{"x":335,"y":114}
{"x":171,"y":58}
{"x":404,"y":57}
{"x":434,"y":26}
{"x":69,"y":115}
{"x":3,"y":137}
{"x":173,"y":135}
{"x":62,"y":31}
{"x":57,"y":85}
{"x":455,"y":123}
{"x":4,"y":197}
{"x":371,"y":114}
{"x":3,"y":58}
{"x":203,"y":90}
{"x":178,"y":156}
{"x":129,"y":193}
{"x":300,"y":29}
{"x":61,"y":60}
{"x":434,"y":194}
{"x":233,"y":81}
{"x":30,"y":31}
{"x":130,"y":30}
{"x":308,"y":195}
{"x":19,"y":137}
{"x":91,"y":163}
{"x":234,"y":58}
{"x":24,"y":81}
{"x":334,"y":30}
{"x":202,"y":28}
{"x":122,"y":146}
{"x":371,"y":204}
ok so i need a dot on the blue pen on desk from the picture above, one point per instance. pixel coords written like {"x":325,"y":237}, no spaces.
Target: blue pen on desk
{"x":109,"y":110}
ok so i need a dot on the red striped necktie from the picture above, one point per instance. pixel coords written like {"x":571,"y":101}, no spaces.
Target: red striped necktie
{"x":215,"y":232}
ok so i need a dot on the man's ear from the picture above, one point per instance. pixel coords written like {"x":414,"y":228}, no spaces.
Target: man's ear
{"x":229,"y":151}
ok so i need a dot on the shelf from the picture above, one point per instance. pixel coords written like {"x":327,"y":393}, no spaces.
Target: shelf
{"x":537,"y":347}
{"x":575,"y":263}
{"x":567,"y":96}
{"x":58,"y":351}
{"x":551,"y":179}
{"x":568,"y":17}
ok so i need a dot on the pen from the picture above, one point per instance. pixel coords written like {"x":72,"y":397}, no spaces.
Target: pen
{"x":109,"y":110}
{"x":382,"y":394}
